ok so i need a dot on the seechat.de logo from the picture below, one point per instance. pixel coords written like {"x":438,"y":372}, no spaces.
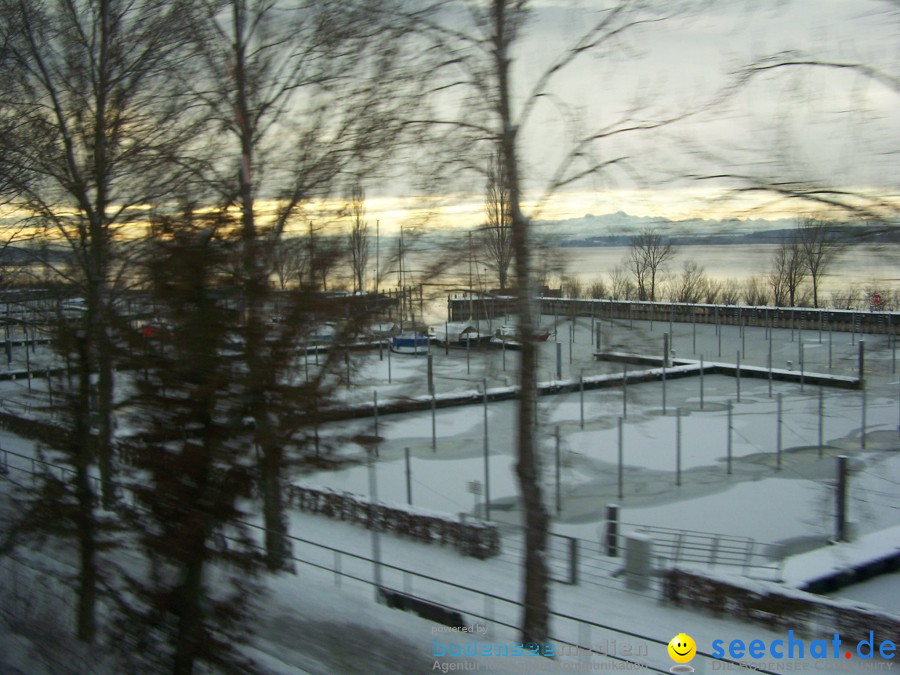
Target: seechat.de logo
{"x":797,"y":648}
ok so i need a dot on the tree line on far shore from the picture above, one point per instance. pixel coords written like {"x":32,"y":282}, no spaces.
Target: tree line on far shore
{"x":799,"y":263}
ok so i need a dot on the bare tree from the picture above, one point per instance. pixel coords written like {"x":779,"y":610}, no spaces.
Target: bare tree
{"x":846,"y":298}
{"x":479,"y":40}
{"x":571,"y":287}
{"x":322,"y":255}
{"x":598,"y":289}
{"x":314,"y":73}
{"x":290,"y":262}
{"x":621,"y":285}
{"x":95,"y":94}
{"x":755,"y":292}
{"x":496,"y":233}
{"x":731,"y":292}
{"x":820,"y":246}
{"x":690,"y":284}
{"x":712,"y":294}
{"x":358,"y":238}
{"x":788,"y":271}
{"x":649,"y":253}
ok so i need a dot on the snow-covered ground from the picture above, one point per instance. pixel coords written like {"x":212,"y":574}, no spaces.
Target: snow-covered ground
{"x":321,"y":622}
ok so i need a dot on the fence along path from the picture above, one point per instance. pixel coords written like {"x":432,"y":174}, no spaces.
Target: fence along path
{"x":572,"y":635}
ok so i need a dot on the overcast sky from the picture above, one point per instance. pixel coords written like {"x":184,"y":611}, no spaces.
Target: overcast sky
{"x":832,"y":126}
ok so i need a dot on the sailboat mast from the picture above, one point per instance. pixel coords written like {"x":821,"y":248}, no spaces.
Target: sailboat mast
{"x":400,"y":278}
{"x":412,"y":309}
{"x":470,"y":276}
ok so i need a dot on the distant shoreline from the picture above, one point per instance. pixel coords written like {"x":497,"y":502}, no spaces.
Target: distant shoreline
{"x":851,"y":236}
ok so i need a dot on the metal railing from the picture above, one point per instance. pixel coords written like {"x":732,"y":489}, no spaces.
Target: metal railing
{"x":571,"y":635}
{"x":672,"y":547}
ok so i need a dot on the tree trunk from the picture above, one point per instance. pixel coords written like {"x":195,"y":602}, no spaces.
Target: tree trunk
{"x":535,"y":617}
{"x":87,"y":576}
{"x":85,"y":523}
{"x":255,"y":295}
{"x":277,"y":547}
{"x":105,"y":439}
{"x":190,"y":619}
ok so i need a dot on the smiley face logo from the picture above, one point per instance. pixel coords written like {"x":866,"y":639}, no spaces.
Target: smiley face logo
{"x":682,"y":648}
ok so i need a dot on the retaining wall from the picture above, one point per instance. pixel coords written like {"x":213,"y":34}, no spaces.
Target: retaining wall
{"x":803,"y":318}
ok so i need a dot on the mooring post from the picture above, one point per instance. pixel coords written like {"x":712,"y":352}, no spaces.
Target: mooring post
{"x":840,"y":533}
{"x":487,"y":473}
{"x":701,"y":382}
{"x":664,"y":361}
{"x":729,"y":438}
{"x":408,"y":477}
{"x":433,"y":422}
{"x":830,"y":341}
{"x":665,"y":354}
{"x":861,"y":365}
{"x":621,"y":454}
{"x":678,"y":447}
{"x":694,"y":330}
{"x":581,"y":395}
{"x":719,"y":334}
{"x":821,"y":420}
{"x":558,"y":472}
{"x":778,"y":433}
{"x":862,"y":431}
{"x":802,"y":366}
{"x":375,"y":411}
{"x":743,"y":336}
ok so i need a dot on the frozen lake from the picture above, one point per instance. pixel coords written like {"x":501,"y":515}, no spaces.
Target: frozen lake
{"x":860,"y":267}
{"x":790,"y":502}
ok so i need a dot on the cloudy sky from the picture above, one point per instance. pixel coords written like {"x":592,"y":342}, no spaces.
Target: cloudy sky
{"x":831,"y":126}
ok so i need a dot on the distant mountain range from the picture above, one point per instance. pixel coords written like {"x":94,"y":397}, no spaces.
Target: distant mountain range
{"x":617,"y":229}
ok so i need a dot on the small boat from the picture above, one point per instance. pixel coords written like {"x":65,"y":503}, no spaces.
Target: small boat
{"x":457,"y":333}
{"x":508,"y":337}
{"x":383,"y":329}
{"x":410,"y":343}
